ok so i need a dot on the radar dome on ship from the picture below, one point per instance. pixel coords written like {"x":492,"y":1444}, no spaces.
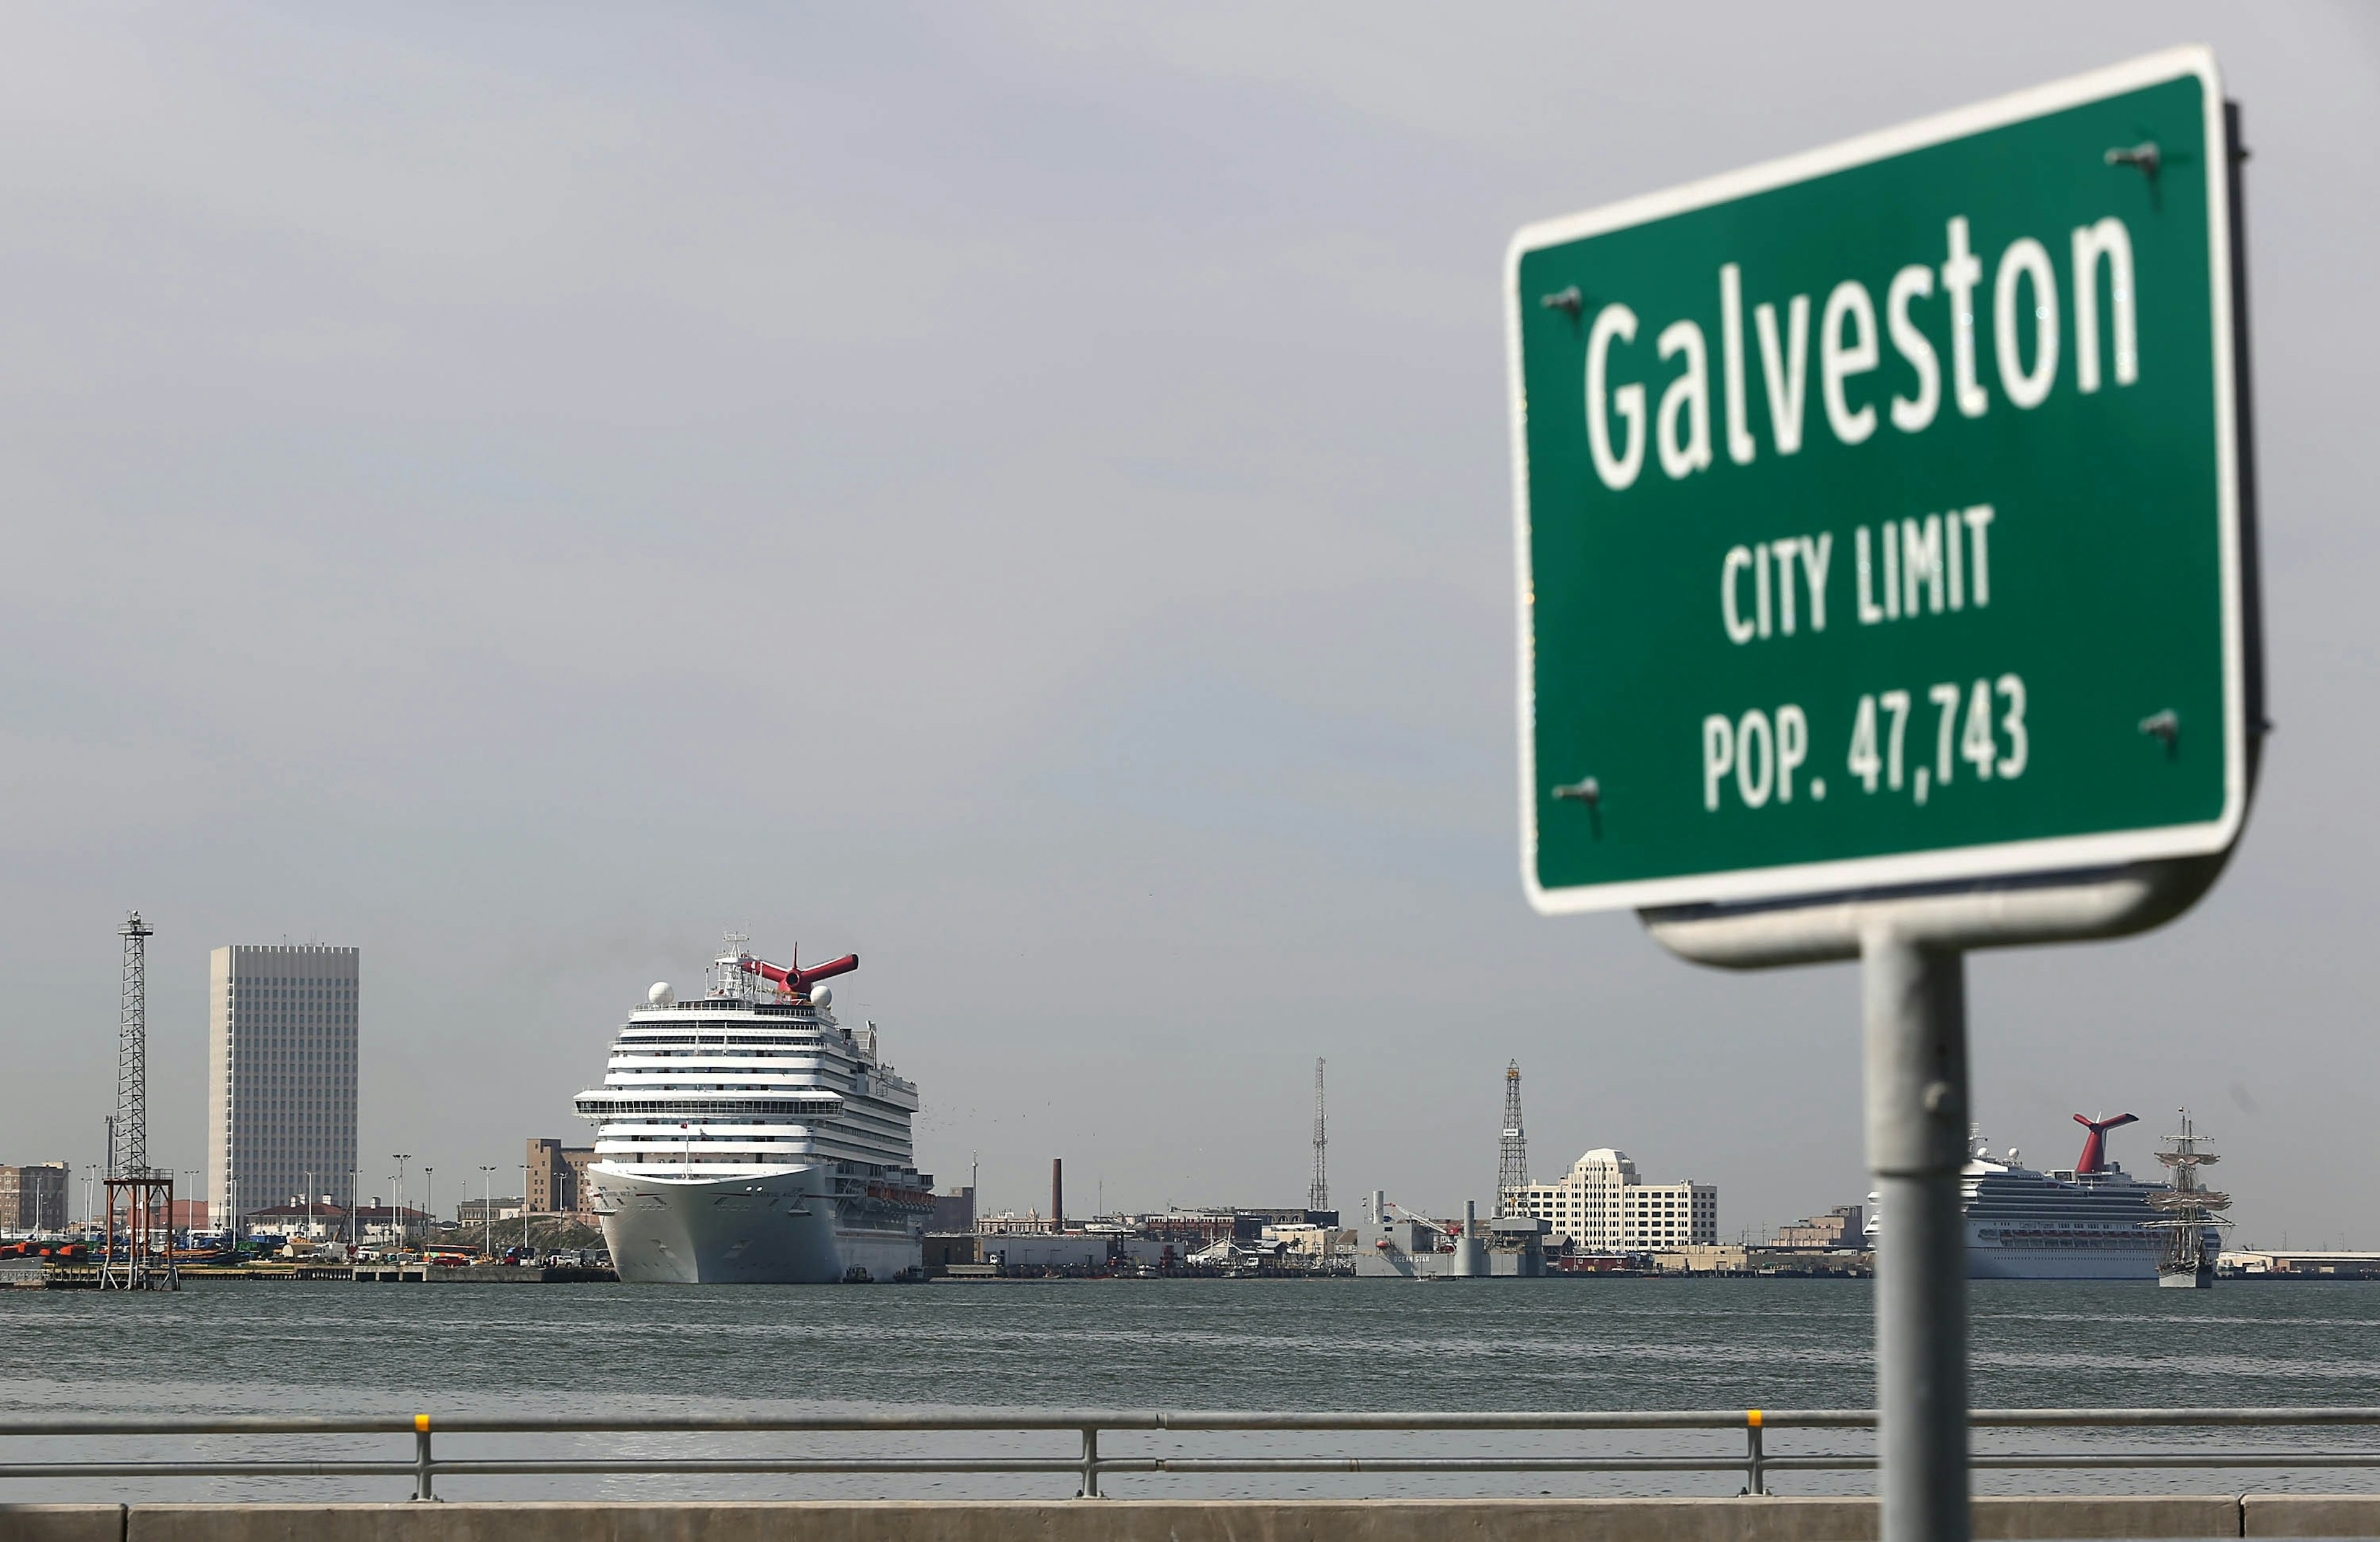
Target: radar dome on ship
{"x":823,"y":996}
{"x":661,"y":994}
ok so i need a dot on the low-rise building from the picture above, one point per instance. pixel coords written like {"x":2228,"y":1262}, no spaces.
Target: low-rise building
{"x":33,"y":1198}
{"x":953,"y":1211}
{"x":1191,"y":1230}
{"x":1735,"y":1259}
{"x":1031,"y":1252}
{"x":1602,"y":1205}
{"x":2339,"y":1263}
{"x":318,"y":1222}
{"x":1838,"y":1228}
{"x":1704,"y":1260}
{"x":1242,"y":1257}
{"x":384,"y":1224}
{"x":1275,"y":1216}
{"x":1313,"y":1245}
{"x":1008,"y":1224}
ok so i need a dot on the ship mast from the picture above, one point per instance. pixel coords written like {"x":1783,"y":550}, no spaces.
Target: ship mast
{"x":2191,"y":1207}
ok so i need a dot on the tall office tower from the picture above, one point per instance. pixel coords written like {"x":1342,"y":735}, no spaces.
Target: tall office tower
{"x":281,"y":1077}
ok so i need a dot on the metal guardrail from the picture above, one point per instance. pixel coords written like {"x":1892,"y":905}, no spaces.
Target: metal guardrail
{"x":1091,"y":1466}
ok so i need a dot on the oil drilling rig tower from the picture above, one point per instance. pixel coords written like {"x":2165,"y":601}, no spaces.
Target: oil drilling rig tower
{"x":1512,"y":1156}
{"x":138,"y":1251}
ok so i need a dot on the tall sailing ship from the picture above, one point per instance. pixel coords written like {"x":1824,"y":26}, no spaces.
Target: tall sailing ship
{"x":2187,"y":1212}
{"x":747,"y":1136}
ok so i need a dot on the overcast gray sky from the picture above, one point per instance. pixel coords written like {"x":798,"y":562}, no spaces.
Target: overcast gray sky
{"x":1021,"y":493}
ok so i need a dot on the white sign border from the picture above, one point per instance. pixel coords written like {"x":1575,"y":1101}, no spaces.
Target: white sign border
{"x":1995,"y":859}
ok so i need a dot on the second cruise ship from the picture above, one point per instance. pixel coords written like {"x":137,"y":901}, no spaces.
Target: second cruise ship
{"x":2093,"y":1222}
{"x":747,"y":1137}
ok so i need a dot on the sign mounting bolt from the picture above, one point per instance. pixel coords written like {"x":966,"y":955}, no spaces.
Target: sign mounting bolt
{"x":1568,"y":300}
{"x":1586,"y":789}
{"x":2145,"y":155}
{"x":2165,"y":726}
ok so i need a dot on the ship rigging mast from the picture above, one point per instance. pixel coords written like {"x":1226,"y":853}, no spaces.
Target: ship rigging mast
{"x":2191,"y":1210}
{"x":1512,"y":1156}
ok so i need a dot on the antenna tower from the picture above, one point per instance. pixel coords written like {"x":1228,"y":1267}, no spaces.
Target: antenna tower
{"x":1317,"y":1192}
{"x":139,"y":1256}
{"x":1512,"y":1158}
{"x":127,"y":1148}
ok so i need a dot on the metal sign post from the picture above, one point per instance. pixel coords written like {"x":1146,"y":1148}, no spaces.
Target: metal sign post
{"x":1916,"y":1093}
{"x":1913,"y":949}
{"x":1888,"y":591}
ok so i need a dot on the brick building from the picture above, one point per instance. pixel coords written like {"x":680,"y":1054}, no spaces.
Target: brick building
{"x":33,"y":1198}
{"x":557,"y":1178}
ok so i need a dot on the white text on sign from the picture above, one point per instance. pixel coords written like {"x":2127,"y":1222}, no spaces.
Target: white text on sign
{"x":2025,"y":289}
{"x":1900,"y":568}
{"x":1980,"y":725}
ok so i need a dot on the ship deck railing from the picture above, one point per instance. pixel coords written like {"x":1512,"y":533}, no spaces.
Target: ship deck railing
{"x":1088,"y":1464}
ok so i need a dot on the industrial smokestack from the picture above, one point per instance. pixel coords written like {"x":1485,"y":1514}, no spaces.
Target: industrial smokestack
{"x":1056,"y":1193}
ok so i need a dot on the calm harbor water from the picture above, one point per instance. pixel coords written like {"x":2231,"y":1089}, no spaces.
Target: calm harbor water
{"x":225,"y":1348}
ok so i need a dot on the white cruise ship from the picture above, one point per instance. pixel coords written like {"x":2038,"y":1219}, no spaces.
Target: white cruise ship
{"x":2088,"y":1222}
{"x":748,"y":1137}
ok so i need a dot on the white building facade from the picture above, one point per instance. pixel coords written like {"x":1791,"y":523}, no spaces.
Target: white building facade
{"x":1604,"y":1207}
{"x":281,"y":1077}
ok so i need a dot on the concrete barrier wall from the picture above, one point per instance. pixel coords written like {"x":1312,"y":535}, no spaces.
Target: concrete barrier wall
{"x":61,"y":1523}
{"x":2081,"y":1515}
{"x":1738,"y":1520}
{"x":2310,"y":1515}
{"x":1063,"y":1520}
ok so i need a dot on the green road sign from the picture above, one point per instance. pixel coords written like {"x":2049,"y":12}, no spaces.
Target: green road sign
{"x":1878,"y":510}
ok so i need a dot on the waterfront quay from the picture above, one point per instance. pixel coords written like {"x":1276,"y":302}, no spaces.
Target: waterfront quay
{"x":432,"y":1274}
{"x":85,"y":1277}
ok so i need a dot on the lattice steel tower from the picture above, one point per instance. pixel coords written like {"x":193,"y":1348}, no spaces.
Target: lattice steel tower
{"x":127,"y":1153}
{"x":1317,"y":1192}
{"x":1512,"y":1158}
{"x":138,"y":1250}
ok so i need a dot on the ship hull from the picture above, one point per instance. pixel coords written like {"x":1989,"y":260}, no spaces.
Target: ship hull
{"x":782,"y":1227}
{"x":2077,"y":1259}
{"x":1999,"y":1253}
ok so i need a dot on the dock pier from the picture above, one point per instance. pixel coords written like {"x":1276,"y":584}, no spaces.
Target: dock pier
{"x":86,"y":1276}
